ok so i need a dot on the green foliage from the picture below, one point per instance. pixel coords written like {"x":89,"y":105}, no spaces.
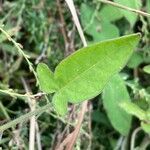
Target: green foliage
{"x":135,"y":60}
{"x":24,"y":117}
{"x":145,"y":127}
{"x":130,"y":16}
{"x":38,"y":26}
{"x":99,"y":30}
{"x":148,"y":6}
{"x":46,"y":79}
{"x":147,"y":69}
{"x":97,"y":65}
{"x":143,"y":115}
{"x":106,"y":13}
{"x":142,"y":103}
{"x":115,"y":93}
{"x":133,"y":109}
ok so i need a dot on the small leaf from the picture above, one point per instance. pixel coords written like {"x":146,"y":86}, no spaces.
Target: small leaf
{"x":133,"y":109}
{"x":130,"y":16}
{"x":114,"y":93}
{"x":135,"y":60}
{"x":46,"y":79}
{"x":84,"y":74}
{"x":147,"y":69}
{"x":106,"y":13}
{"x":98,"y":30}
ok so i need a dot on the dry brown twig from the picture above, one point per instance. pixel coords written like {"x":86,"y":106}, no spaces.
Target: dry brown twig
{"x":65,"y":131}
{"x":62,"y":27}
{"x":69,"y":48}
{"x":75,"y":133}
{"x":70,"y":140}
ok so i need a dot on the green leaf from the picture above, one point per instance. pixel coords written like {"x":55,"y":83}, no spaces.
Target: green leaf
{"x":133,"y":109}
{"x":106,"y":13}
{"x":60,"y":103}
{"x":100,"y":118}
{"x":148,"y":10}
{"x":46,"y":79}
{"x":147,"y":69}
{"x":135,"y":60}
{"x":130,"y":16}
{"x":84,"y":74}
{"x":142,"y":103}
{"x":114,"y":93}
{"x":148,"y":6}
{"x":145,"y":127}
{"x":98,"y":30}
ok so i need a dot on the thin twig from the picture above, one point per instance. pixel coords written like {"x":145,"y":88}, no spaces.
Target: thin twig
{"x":133,"y":137}
{"x":119,"y":143}
{"x":77,"y":129}
{"x":17,"y":137}
{"x":11,"y":93}
{"x":32,"y":104}
{"x":25,"y":117}
{"x":71,"y":138}
{"x":125,"y":7}
{"x":38,"y":137}
{"x":21,"y":52}
{"x":124,"y":143}
{"x":65,"y":142}
{"x":61,"y":135}
{"x":76,"y":21}
{"x":90,"y":125}
{"x":62,"y":27}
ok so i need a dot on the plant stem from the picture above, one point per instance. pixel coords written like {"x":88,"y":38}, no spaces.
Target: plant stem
{"x":19,"y":48}
{"x":76,"y":21}
{"x":125,"y":7}
{"x":32,"y":104}
{"x":21,"y":96}
{"x":133,"y":137}
{"x":71,"y":138}
{"x":24,"y":117}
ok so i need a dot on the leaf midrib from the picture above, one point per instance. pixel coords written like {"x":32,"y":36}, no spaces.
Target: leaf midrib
{"x":94,"y":65}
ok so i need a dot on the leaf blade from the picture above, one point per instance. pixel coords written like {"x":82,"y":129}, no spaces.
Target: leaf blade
{"x":99,"y":30}
{"x":130,"y":16}
{"x":85,"y":80}
{"x":147,"y":69}
{"x":114,"y":93}
{"x":46,"y":79}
